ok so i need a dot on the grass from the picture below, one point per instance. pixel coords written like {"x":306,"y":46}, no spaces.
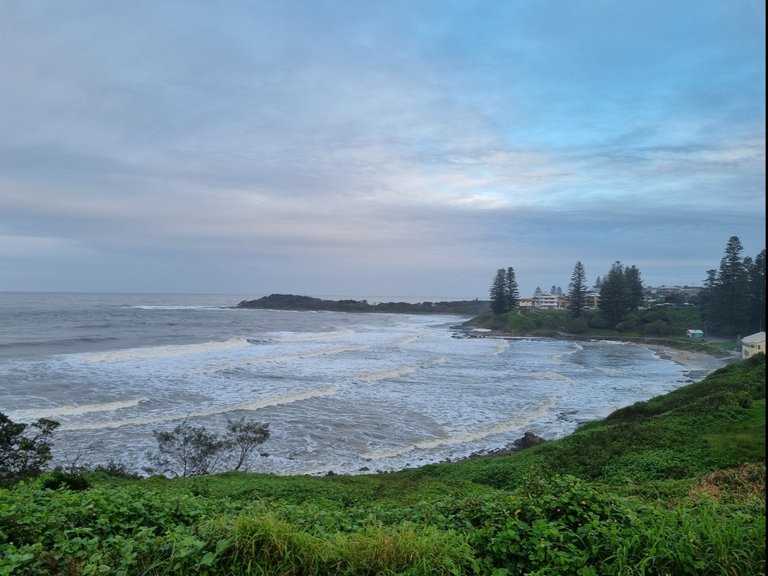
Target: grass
{"x":673,"y":485}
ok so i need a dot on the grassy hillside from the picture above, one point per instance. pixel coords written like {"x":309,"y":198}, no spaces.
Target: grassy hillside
{"x":674,"y":485}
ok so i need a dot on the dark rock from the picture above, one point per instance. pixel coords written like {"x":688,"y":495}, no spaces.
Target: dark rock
{"x":529,"y":439}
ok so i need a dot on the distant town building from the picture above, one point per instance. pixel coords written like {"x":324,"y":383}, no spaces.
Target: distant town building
{"x":547,"y":300}
{"x":674,"y":295}
{"x":753,"y":344}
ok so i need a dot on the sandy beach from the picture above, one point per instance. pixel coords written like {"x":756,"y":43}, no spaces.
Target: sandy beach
{"x":697,"y":364}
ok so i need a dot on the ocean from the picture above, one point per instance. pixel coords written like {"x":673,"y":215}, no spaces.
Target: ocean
{"x":347,"y":393}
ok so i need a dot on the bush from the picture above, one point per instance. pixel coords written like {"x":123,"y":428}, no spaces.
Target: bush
{"x":598,"y":321}
{"x":577,"y":325}
{"x":194,"y":451}
{"x":60,"y":479}
{"x":24,"y":450}
{"x":657,"y":328}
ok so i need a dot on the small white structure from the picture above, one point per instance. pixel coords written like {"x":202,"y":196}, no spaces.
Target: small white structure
{"x":698,"y":334}
{"x":753,"y":344}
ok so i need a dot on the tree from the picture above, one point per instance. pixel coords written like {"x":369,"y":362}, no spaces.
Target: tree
{"x":733,"y":293}
{"x":577,"y":290}
{"x":186,"y":451}
{"x":756,"y":293}
{"x":614,"y":301}
{"x":244,"y":437}
{"x":194,"y":451}
{"x":498,"y":293}
{"x":504,"y":291}
{"x":25,"y":450}
{"x":634,"y":287}
{"x":733,"y":287}
{"x":510,"y":288}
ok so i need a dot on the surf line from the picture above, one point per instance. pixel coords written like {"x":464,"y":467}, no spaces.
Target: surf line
{"x":469,"y":435}
{"x":35,"y":413}
{"x":251,"y":405}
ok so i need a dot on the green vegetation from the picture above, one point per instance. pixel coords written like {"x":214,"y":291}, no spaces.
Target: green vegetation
{"x":733,"y":300}
{"x":665,"y":326}
{"x":194,"y":451}
{"x":294,"y":302}
{"x":24,"y":449}
{"x":673,"y":485}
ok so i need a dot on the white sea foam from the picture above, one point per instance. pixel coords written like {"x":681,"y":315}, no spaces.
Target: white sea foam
{"x":397,"y":371}
{"x":467,"y":436}
{"x":250,"y":405}
{"x":162,"y":307}
{"x":164,"y":351}
{"x":59,"y":411}
{"x":549,"y":375}
{"x":278,"y":358}
{"x":288,"y":337}
{"x":501,"y":345}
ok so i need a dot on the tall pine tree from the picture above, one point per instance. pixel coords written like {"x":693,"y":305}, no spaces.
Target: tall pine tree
{"x":614,"y":301}
{"x":756,"y":293}
{"x":733,"y":298}
{"x":577,"y":290}
{"x":499,"y":293}
{"x":511,"y":290}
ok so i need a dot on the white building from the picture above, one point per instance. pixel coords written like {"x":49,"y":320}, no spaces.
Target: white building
{"x":753,"y":344}
{"x":545,"y":300}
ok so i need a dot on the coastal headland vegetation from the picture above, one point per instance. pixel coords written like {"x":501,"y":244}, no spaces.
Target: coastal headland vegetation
{"x":297,"y":302}
{"x":730,"y":303}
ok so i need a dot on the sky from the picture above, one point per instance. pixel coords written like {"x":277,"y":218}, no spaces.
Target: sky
{"x":359,"y":148}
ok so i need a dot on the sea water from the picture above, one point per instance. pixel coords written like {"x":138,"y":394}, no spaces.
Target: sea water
{"x":341,"y":392}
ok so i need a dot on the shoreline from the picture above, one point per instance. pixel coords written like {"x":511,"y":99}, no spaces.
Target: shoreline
{"x":699,"y":364}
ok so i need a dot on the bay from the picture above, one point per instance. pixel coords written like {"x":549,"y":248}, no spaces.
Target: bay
{"x":341,"y":392}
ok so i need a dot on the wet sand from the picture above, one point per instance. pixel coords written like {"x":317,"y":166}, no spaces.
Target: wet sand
{"x":698,"y":365}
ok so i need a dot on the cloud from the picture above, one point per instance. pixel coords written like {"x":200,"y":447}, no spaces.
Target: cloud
{"x":413,"y":142}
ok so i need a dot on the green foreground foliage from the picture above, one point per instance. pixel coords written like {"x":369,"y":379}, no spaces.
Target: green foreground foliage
{"x":674,"y":485}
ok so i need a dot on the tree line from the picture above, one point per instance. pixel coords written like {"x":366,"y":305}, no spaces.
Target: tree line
{"x":732,"y":301}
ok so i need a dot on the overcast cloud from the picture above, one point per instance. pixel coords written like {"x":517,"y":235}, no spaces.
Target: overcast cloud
{"x":405,"y":149}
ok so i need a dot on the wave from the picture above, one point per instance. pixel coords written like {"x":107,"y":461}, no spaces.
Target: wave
{"x":575,"y":348}
{"x":467,"y":436}
{"x":501,"y":345}
{"x":168,"y":351}
{"x":288,"y":337}
{"x":282,"y":358}
{"x":404,"y":341}
{"x":57,"y":342}
{"x":549,"y":375}
{"x":249,"y":405}
{"x":35,"y":413}
{"x":397,"y":371}
{"x":174,"y":307}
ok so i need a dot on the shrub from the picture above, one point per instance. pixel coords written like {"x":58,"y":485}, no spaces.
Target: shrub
{"x":194,"y":451}
{"x":59,"y":479}
{"x":25,"y":450}
{"x":657,"y":328}
{"x":577,"y":325}
{"x":598,"y":321}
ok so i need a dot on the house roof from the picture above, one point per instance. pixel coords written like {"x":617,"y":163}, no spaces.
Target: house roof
{"x":754,"y":338}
